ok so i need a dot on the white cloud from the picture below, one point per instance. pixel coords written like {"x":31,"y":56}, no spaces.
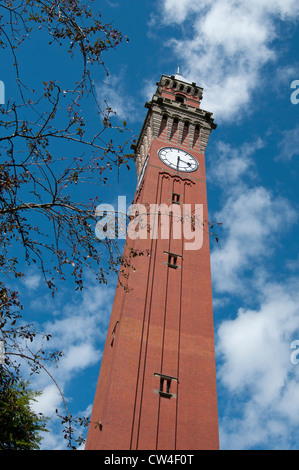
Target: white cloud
{"x":225,"y":46}
{"x":230,"y":165}
{"x":48,"y":401}
{"x":177,"y":11}
{"x":53,"y":441}
{"x":78,"y":329}
{"x":255,"y":373}
{"x":289,"y":145}
{"x":32,"y":280}
{"x":256,"y":368}
{"x":285,"y":76}
{"x":252,"y":218}
{"x":78,"y":357}
{"x":252,"y":221}
{"x":293,"y":264}
{"x":149,"y":88}
{"x":117,"y":97}
{"x":256,"y":344}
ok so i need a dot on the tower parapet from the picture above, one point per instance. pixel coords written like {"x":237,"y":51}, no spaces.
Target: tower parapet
{"x":175,"y":109}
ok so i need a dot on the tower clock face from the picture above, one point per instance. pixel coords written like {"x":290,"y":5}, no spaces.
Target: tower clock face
{"x":178,"y":159}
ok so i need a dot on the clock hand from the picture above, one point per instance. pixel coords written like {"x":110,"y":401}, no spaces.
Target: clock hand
{"x":178,"y":162}
{"x":188,"y":163}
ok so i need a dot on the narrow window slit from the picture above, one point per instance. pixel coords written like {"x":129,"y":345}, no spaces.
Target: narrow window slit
{"x":172,"y":260}
{"x":174,"y":127}
{"x":163,"y":124}
{"x":196,"y":134}
{"x":114,"y":334}
{"x":165,"y":385}
{"x":175,"y":198}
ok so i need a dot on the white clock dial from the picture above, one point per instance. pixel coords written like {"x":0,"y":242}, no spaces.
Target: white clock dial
{"x":178,"y":159}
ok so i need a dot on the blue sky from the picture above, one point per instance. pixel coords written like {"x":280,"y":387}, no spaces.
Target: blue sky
{"x":245,"y":56}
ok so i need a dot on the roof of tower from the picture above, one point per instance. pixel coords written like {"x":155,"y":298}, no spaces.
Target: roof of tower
{"x":178,"y":76}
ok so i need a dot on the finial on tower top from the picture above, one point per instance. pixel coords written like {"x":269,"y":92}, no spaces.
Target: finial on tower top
{"x":179,"y":77}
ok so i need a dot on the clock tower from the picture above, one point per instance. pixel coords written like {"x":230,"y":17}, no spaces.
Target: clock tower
{"x":157,"y":383}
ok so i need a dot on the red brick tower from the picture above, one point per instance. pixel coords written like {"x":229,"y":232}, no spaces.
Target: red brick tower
{"x":157,"y":384}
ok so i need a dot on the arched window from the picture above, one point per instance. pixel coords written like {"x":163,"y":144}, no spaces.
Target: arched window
{"x":179,"y":98}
